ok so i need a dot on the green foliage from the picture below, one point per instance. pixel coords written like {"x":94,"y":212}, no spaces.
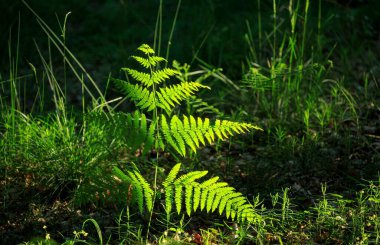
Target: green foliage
{"x":141,"y":190}
{"x":192,"y":132}
{"x":144,"y":94}
{"x":208,"y":195}
{"x":189,"y":132}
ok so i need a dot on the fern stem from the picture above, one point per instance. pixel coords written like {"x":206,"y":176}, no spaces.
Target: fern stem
{"x":157,"y":135}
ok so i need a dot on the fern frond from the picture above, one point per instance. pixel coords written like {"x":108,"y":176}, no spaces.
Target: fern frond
{"x":141,"y":189}
{"x":164,"y":97}
{"x":154,"y":60}
{"x":148,"y":62}
{"x":225,"y":198}
{"x":142,"y":77}
{"x":148,"y":192}
{"x":205,"y":197}
{"x":210,"y":192}
{"x":231,"y":204}
{"x":188,"y":198}
{"x":146,"y":49}
{"x":137,"y":190}
{"x":169,"y":194}
{"x":161,"y":75}
{"x":172,"y":175}
{"x":140,"y":95}
{"x":174,"y":94}
{"x":177,"y":132}
{"x":178,"y":198}
{"x":210,"y":195}
{"x":139,"y":136}
{"x":167,"y":134}
{"x":189,"y":178}
{"x":191,"y":136}
{"x":220,"y":193}
{"x":190,"y":133}
{"x":196,"y":198}
{"x":119,"y":174}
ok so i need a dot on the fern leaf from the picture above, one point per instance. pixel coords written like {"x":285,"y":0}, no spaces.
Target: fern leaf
{"x":217,"y":129}
{"x":169,"y":196}
{"x":148,"y":192}
{"x":186,"y":133}
{"x":119,"y":174}
{"x":209,"y":182}
{"x":189,"y":178}
{"x":138,"y":192}
{"x":207,"y":131}
{"x":148,"y":62}
{"x":142,"y":77}
{"x":219,"y":194}
{"x":167,"y":133}
{"x":176,"y":129}
{"x":178,"y":198}
{"x":154,"y":60}
{"x":225,"y":198}
{"x":140,"y":95}
{"x":208,"y":193}
{"x":174,"y":94}
{"x":168,"y":188}
{"x":146,"y":49}
{"x":142,"y":61}
{"x":210,"y":200}
{"x":199,"y":131}
{"x":230,"y":206}
{"x":236,"y":205}
{"x":172,"y":175}
{"x":188,"y":127}
{"x":166,"y":105}
{"x":197,"y":198}
{"x":245,"y":212}
{"x":187,"y":181}
{"x":161,"y":75}
{"x":188,"y":198}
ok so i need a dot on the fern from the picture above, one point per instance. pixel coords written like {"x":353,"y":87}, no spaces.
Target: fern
{"x":144,"y":94}
{"x":151,"y":92}
{"x":190,"y":132}
{"x":185,"y":190}
{"x":141,"y":190}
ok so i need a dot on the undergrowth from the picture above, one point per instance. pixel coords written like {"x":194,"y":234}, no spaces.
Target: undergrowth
{"x":87,"y":160}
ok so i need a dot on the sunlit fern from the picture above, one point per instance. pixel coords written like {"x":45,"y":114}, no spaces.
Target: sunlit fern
{"x":150,"y":94}
{"x":209,"y":195}
{"x":145,"y":95}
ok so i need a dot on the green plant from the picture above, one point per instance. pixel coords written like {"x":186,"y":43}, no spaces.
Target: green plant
{"x":153,"y":93}
{"x":179,"y":134}
{"x":209,"y":195}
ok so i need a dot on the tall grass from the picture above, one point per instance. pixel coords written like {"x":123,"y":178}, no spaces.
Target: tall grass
{"x":293,"y":85}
